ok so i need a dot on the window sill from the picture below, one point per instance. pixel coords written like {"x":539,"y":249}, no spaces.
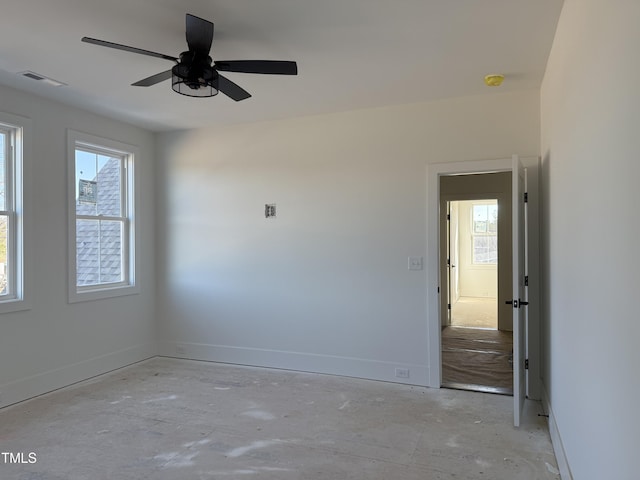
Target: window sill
{"x":483,"y":266}
{"x":102,"y":293}
{"x":14,"y":305}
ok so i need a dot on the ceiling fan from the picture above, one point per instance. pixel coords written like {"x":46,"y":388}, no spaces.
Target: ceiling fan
{"x":194,"y":73}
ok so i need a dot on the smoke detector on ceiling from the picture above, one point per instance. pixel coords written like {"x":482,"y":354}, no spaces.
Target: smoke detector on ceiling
{"x":42,"y":78}
{"x":493,"y":80}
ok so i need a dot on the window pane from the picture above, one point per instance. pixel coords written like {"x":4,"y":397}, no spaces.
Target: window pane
{"x":4,"y":144}
{"x":98,"y":184}
{"x":485,"y":218}
{"x":3,"y":253}
{"x":98,"y":252}
{"x":480,"y":218}
{"x":492,"y":218}
{"x":109,"y":176}
{"x":485,"y":249}
{"x":86,"y":183}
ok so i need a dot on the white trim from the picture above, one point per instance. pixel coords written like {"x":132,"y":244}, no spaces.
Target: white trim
{"x":434,"y":172}
{"x":297,"y":361}
{"x":41,"y":383}
{"x":21,"y":211}
{"x":131,"y":153}
{"x":556,"y":440}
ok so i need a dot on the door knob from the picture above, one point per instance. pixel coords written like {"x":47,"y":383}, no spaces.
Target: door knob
{"x":516,"y":303}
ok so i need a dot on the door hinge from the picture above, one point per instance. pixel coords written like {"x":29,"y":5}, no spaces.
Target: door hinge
{"x":438,"y":289}
{"x":526,"y":364}
{"x":526,"y":280}
{"x":448,"y":261}
{"x":448,"y":216}
{"x":448,"y":306}
{"x":526,"y":197}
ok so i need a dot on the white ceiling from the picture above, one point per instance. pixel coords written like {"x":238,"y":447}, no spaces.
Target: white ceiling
{"x":351,"y":53}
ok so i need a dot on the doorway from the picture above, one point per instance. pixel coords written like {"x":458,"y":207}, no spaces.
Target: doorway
{"x":473,"y":263}
{"x":524,"y":279}
{"x":476,"y":339}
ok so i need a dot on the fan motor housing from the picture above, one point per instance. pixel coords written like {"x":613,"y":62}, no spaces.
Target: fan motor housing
{"x":194,"y":72}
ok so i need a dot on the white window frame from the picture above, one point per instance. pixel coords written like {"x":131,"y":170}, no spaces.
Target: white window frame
{"x":488,"y":202}
{"x":17,"y":160}
{"x":128,"y":286}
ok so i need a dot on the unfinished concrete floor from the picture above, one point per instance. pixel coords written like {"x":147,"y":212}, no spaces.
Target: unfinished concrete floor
{"x":179,"y":419}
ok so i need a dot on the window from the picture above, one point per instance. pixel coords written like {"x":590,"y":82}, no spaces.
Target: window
{"x":12,"y":214}
{"x":102,"y":228}
{"x":485,"y":233}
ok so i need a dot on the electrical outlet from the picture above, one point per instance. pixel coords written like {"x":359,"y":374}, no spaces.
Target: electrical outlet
{"x":402,"y":372}
{"x":181,"y":349}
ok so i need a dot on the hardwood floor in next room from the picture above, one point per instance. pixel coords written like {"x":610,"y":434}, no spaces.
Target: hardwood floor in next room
{"x":477,"y":359}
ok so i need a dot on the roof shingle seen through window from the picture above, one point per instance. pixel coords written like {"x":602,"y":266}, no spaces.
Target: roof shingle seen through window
{"x":99,"y":242}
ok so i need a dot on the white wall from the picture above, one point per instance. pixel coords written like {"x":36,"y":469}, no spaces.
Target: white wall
{"x":590,"y":106}
{"x":56,"y":343}
{"x":325,"y":286}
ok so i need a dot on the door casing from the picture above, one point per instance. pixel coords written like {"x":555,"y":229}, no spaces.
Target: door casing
{"x":434,"y":172}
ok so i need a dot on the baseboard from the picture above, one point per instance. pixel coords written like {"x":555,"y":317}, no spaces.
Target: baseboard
{"x":298,"y":361}
{"x":25,"y":388}
{"x":556,"y":440}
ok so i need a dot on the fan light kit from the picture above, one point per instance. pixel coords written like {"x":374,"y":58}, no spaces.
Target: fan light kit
{"x":494,"y":80}
{"x":203,"y":84}
{"x":195,"y":73}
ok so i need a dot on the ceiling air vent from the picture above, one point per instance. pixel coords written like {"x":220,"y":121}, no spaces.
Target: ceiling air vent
{"x":42,"y":78}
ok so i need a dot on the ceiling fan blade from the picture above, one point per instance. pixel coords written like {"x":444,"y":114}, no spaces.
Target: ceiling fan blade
{"x":126,"y":48}
{"x":199,"y":34}
{"x":275,"y":67}
{"x":231,"y":90}
{"x":153,"y":79}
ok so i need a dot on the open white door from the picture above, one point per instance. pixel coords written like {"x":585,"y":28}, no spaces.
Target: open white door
{"x":519,"y":301}
{"x":449,"y":266}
